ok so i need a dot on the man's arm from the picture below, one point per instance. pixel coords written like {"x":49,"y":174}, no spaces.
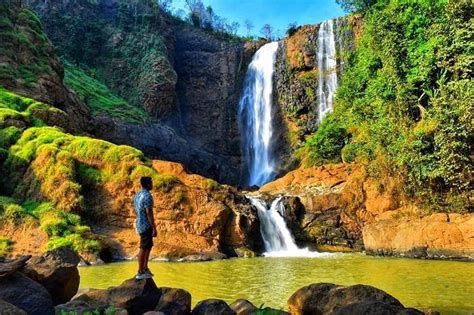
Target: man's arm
{"x":151,"y":219}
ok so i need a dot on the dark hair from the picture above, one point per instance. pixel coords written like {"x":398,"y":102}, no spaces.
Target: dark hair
{"x":145,"y":181}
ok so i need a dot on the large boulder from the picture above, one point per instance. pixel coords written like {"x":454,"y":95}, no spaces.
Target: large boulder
{"x":30,"y":296}
{"x":243,"y":307}
{"x":375,"y":308}
{"x":211,"y":307}
{"x":174,"y":302}
{"x":328,"y":298}
{"x":135,"y":296}
{"x":57,"y":272}
{"x":10,"y":309}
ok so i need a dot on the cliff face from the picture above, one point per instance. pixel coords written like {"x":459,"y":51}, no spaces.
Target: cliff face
{"x":29,"y":66}
{"x":210,"y":75}
{"x":298,"y":77}
{"x":188,"y":80}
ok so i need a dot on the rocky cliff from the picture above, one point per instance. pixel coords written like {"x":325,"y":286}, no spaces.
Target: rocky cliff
{"x":297,"y":79}
{"x":340,"y":205}
{"x":187,"y":79}
{"x":29,"y":65}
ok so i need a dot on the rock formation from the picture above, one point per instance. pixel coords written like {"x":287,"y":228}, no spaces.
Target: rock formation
{"x":327,"y":298}
{"x":57,"y":272}
{"x":339,"y":205}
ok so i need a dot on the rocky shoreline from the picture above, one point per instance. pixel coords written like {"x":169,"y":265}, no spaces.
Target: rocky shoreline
{"x":49,"y":284}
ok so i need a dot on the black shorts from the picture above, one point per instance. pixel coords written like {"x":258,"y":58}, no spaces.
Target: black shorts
{"x":146,"y":239}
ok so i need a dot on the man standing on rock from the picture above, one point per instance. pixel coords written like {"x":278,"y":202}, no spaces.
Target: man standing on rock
{"x":145,"y":226}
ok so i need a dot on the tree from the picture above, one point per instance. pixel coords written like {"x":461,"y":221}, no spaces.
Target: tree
{"x":234,"y":27}
{"x":248,"y":26}
{"x":356,"y":5}
{"x":267,"y":31}
{"x":292,"y":28}
{"x":196,"y":12}
{"x":165,"y":5}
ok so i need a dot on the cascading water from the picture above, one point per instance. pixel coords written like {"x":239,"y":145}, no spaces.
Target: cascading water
{"x":256,"y":116}
{"x":276,"y":236}
{"x":327,"y":65}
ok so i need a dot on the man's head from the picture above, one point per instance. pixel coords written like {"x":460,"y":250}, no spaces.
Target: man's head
{"x":146,"y":182}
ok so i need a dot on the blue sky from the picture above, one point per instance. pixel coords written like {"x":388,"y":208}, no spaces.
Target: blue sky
{"x":278,"y":13}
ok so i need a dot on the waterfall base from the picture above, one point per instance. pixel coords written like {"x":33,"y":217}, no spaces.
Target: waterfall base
{"x":276,"y":236}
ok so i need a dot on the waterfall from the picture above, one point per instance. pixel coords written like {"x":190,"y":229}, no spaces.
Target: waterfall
{"x":256,"y":116}
{"x":276,"y":236}
{"x":327,"y":66}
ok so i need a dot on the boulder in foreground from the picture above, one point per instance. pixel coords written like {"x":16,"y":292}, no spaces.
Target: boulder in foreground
{"x":135,"y":296}
{"x":328,"y":298}
{"x":57,"y":272}
{"x":30,"y":296}
{"x":10,"y":309}
{"x":174,"y":302}
{"x":212,"y":307}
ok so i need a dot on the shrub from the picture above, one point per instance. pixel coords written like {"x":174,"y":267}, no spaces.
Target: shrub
{"x":326,"y":144}
{"x":210,"y":184}
{"x":6,"y":245}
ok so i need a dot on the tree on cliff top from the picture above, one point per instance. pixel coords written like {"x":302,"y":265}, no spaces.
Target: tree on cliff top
{"x":267,"y":31}
{"x":356,"y":5}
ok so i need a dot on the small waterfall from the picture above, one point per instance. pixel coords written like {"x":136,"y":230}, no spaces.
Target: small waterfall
{"x":256,"y":116}
{"x":276,"y":236}
{"x":327,"y":66}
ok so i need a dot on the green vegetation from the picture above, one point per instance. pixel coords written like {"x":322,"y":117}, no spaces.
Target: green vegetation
{"x":117,"y":64}
{"x":5,"y":246}
{"x":47,"y":171}
{"x":210,"y":185}
{"x":406,"y":101}
{"x":24,"y":34}
{"x":99,"y":98}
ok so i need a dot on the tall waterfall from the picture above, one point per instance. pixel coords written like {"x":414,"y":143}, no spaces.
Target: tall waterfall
{"x":327,"y":65}
{"x":256,"y":116}
{"x":276,"y":236}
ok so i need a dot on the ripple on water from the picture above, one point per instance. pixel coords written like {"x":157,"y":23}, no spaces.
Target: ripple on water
{"x":443,"y":285}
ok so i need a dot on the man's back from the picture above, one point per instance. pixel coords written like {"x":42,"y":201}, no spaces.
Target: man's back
{"x":142,"y":201}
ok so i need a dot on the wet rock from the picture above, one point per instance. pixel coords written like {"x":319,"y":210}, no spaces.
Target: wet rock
{"x":243,"y":307}
{"x":30,"y":296}
{"x":211,"y":307}
{"x":328,"y":298}
{"x":174,"y":302}
{"x":208,"y":256}
{"x":57,"y":272}
{"x":244,"y":252}
{"x":10,"y":309}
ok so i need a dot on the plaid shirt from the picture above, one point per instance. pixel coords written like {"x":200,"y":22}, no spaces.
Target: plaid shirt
{"x":143,"y":200}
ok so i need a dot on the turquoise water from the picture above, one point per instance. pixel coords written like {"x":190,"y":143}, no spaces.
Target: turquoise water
{"x":446,"y":286}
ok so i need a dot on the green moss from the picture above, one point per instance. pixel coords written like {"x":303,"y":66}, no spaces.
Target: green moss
{"x":99,"y":98}
{"x":210,"y":184}
{"x":6,"y":246}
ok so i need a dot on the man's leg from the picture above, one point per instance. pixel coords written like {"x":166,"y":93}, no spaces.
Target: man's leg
{"x":146,"y":258}
{"x":141,"y":259}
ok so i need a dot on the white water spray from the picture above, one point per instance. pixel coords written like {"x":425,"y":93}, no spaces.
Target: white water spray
{"x":256,"y":116}
{"x":327,"y":65}
{"x":276,"y":236}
